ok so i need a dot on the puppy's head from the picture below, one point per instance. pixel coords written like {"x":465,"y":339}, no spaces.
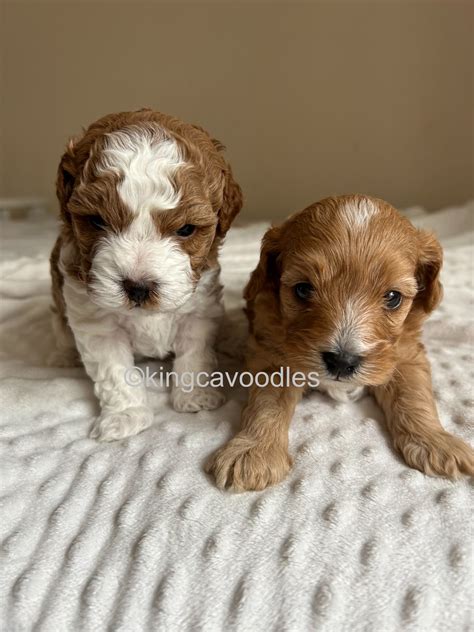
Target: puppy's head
{"x":145,"y":200}
{"x":350,"y":275}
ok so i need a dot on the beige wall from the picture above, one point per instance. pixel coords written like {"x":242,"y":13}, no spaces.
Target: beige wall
{"x":311,"y":99}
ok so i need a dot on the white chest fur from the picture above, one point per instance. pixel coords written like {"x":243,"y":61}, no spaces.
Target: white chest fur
{"x":151,"y":335}
{"x":342,"y":391}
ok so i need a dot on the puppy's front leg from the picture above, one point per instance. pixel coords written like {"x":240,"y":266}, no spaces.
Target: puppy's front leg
{"x":107,"y":355}
{"x":258,"y":455}
{"x":195,"y":355}
{"x":413,"y":423}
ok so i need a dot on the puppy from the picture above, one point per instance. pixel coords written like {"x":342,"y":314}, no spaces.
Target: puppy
{"x":342,"y":288}
{"x":145,"y":201}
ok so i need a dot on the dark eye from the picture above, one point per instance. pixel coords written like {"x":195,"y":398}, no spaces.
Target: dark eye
{"x":186,"y":230}
{"x":97,"y":222}
{"x":303,"y":291}
{"x":393,"y":299}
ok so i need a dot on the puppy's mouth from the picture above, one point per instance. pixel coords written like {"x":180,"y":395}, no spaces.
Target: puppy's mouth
{"x":122,"y":301}
{"x":137,"y":296}
{"x":339,"y":378}
{"x":143,"y":307}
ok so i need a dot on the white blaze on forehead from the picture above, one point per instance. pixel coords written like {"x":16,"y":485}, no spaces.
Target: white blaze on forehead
{"x":360,"y":212}
{"x":147,"y":161}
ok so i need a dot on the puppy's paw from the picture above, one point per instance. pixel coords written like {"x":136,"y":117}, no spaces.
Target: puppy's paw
{"x":126,"y":423}
{"x":438,"y":454}
{"x":198,"y":399}
{"x":243,"y":464}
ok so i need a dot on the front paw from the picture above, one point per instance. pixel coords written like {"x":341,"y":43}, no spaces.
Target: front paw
{"x":198,"y":399}
{"x":244,"y":464}
{"x":118,"y":425}
{"x":438,"y":454}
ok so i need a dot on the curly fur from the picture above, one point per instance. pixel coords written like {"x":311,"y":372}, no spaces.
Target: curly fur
{"x":352,"y":250}
{"x":125,"y":187}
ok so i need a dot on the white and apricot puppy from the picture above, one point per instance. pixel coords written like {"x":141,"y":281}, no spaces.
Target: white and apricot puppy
{"x":145,"y":201}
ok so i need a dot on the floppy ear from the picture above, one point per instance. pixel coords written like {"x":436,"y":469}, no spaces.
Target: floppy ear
{"x":266,"y":274}
{"x":66,"y":179}
{"x":231,"y":202}
{"x":430,"y":260}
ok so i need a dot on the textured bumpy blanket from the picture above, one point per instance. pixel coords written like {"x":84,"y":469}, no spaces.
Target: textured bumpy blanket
{"x":134,"y":536}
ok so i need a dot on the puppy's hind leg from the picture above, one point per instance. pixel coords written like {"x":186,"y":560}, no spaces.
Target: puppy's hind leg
{"x":65,"y":353}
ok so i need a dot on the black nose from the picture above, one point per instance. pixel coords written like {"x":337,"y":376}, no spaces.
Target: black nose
{"x":137,"y":291}
{"x":341,"y":364}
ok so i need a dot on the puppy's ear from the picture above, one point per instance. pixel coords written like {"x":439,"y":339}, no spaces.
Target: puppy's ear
{"x":231,"y":202}
{"x":65,"y":180}
{"x":430,"y":260}
{"x":266,"y":274}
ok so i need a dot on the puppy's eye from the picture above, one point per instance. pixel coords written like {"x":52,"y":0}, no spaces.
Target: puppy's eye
{"x":97,"y":222}
{"x":303,"y":291}
{"x":186,"y":230}
{"x":393,"y":299}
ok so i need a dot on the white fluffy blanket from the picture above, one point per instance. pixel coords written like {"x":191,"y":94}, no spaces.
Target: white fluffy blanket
{"x":133,"y":536}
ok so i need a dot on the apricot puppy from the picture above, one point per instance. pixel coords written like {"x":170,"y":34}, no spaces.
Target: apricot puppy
{"x":342,"y":288}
